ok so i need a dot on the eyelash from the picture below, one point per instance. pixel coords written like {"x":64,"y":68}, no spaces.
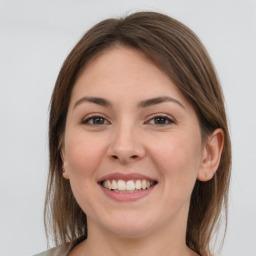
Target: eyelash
{"x":91,"y":118}
{"x":87,"y":120}
{"x":161,"y":117}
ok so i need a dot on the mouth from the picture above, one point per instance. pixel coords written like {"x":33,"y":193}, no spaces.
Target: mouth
{"x":123,"y":187}
{"x":127,"y":186}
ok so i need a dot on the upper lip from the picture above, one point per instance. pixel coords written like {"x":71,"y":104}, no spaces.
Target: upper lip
{"x":125,"y":177}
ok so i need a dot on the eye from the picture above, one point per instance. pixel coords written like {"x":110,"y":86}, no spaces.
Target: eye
{"x":161,"y":120}
{"x":95,"y":120}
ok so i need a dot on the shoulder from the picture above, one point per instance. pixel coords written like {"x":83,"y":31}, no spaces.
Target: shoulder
{"x":61,"y":250}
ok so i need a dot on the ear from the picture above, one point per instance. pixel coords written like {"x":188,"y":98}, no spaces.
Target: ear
{"x":64,"y":163}
{"x":211,"y":155}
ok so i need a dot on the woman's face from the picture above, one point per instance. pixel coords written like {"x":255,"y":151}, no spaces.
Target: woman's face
{"x":132,"y":146}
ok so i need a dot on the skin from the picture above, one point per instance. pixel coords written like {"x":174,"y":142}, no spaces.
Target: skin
{"x":130,"y":139}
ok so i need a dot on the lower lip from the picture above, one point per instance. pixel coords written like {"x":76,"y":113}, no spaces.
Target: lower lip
{"x":124,"y":197}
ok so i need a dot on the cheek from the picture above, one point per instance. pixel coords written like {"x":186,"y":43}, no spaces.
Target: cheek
{"x":83,"y":154}
{"x":178,"y":160}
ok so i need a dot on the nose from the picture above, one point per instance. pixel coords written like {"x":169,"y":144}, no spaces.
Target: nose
{"x":126,"y":145}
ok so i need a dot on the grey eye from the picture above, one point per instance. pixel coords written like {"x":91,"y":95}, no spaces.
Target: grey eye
{"x":161,"y":120}
{"x":95,"y":120}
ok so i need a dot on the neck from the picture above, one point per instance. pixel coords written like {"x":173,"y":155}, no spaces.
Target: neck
{"x":161,"y":243}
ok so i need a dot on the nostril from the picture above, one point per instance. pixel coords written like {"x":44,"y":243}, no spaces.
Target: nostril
{"x":133,"y":157}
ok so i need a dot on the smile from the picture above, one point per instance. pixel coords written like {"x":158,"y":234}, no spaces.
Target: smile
{"x":127,"y":187}
{"x":130,"y":186}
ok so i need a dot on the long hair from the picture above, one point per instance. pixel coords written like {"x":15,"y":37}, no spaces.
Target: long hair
{"x":178,"y":52}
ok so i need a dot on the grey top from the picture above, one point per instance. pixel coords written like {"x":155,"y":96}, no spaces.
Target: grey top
{"x":62,"y":250}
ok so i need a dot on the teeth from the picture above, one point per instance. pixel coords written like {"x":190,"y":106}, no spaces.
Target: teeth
{"x":128,"y":186}
{"x":114,"y":185}
{"x":138,"y":184}
{"x":108,"y":183}
{"x":121,"y":185}
{"x":144,"y":184}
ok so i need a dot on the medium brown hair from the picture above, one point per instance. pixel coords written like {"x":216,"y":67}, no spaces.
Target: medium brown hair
{"x":177,"y":51}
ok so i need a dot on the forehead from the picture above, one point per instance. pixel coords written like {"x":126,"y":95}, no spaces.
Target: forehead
{"x":123,"y":71}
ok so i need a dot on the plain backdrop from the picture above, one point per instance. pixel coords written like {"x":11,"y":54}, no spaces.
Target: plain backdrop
{"x":35,"y":38}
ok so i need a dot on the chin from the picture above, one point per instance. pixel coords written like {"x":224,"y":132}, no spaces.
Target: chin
{"x":129,"y":226}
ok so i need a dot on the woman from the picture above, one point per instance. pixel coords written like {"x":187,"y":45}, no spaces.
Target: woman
{"x":140,"y":152}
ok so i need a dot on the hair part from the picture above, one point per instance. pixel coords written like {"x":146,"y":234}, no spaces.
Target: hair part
{"x":178,"y":52}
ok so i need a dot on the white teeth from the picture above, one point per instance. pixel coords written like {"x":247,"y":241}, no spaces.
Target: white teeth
{"x":144,"y":184}
{"x":129,"y":186}
{"x":138,"y":184}
{"x":108,"y":184}
{"x":121,"y":185}
{"x":114,"y":185}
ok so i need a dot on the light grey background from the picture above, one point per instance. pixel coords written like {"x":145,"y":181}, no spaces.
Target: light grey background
{"x":35,"y":38}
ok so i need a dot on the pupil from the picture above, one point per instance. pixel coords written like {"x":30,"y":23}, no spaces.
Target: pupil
{"x":99,"y":120}
{"x":160,"y":120}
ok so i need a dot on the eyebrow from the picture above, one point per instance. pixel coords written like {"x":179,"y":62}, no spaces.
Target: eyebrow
{"x":95,"y":100}
{"x":158,"y":100}
{"x":143,"y":104}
